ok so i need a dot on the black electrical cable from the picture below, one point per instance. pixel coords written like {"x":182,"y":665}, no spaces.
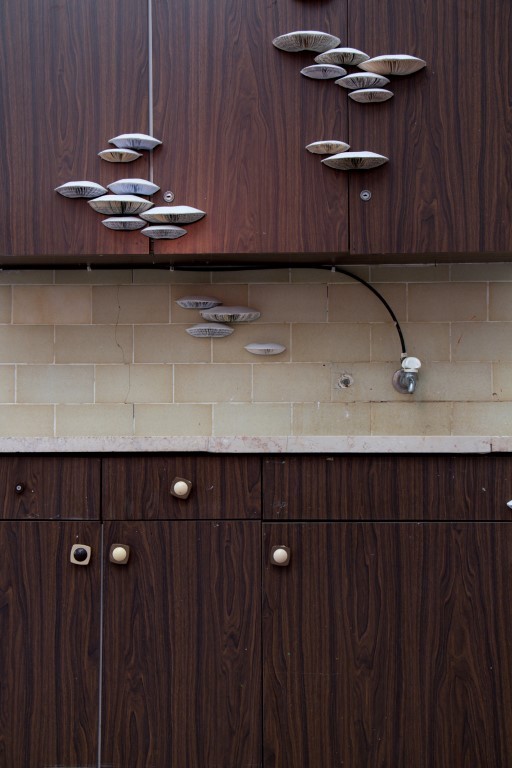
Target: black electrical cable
{"x":329,"y":267}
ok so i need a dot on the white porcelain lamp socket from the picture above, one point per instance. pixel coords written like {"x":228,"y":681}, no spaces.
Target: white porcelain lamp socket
{"x":411,"y":364}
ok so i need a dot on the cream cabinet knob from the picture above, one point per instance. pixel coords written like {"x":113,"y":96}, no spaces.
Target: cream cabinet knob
{"x":119,"y":554}
{"x":280,"y":555}
{"x":180,"y":487}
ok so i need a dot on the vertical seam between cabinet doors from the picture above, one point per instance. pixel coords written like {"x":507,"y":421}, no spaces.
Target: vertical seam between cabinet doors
{"x":150,"y":82}
{"x":100,"y":683}
{"x":349,"y":141}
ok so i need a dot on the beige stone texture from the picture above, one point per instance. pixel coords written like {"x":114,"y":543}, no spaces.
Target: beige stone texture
{"x":26,"y":344}
{"x":482,"y":342}
{"x":481,"y":272}
{"x":447,"y":301}
{"x":296,"y":303}
{"x":372,"y":382}
{"x":166,"y":276}
{"x":410,"y":273}
{"x":171,"y":344}
{"x":331,"y":419}
{"x":411,"y":418}
{"x":231,"y":349}
{"x":134,"y":384}
{"x":482,"y":419}
{"x":292,"y":383}
{"x":93,"y":276}
{"x":26,"y":277}
{"x":502,"y":381}
{"x":355,"y":303}
{"x":26,"y":420}
{"x":252,"y":276}
{"x":500,"y":301}
{"x":328,"y":276}
{"x":51,"y":304}
{"x":161,"y":420}
{"x":251,"y":419}
{"x":330,"y":342}
{"x":428,"y":341}
{"x":455,"y":382}
{"x":55,"y":384}
{"x":94,"y":420}
{"x":130,"y":304}
{"x":213,"y":383}
{"x":229,"y":295}
{"x":7,"y":390}
{"x":94,"y":344}
{"x":5,"y":304}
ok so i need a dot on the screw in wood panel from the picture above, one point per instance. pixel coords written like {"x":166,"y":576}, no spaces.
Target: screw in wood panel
{"x":168,"y":196}
{"x":365,"y":195}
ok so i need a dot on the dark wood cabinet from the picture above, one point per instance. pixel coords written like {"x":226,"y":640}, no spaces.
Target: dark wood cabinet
{"x":235,"y":115}
{"x":388,"y":644}
{"x":383,"y":641}
{"x":182,"y":650}
{"x":72,"y":76}
{"x":447,"y":133}
{"x":50,"y":614}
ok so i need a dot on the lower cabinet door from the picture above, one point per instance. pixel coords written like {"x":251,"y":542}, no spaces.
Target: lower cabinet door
{"x":388,"y":645}
{"x":182,"y":650}
{"x":49,"y":644}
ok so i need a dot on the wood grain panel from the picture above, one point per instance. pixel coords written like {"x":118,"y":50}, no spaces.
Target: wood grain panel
{"x":373,"y":487}
{"x":72,"y":76}
{"x":182,"y":664}
{"x":49,"y":651}
{"x":139,"y":487}
{"x":388,"y":645}
{"x":49,"y":487}
{"x":235,"y":115}
{"x":447,"y":131}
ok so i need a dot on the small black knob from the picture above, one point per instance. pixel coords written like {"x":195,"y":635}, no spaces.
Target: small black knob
{"x":80,"y":554}
{"x":20,"y":487}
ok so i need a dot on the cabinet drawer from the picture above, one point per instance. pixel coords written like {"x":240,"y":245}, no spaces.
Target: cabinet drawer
{"x":387,"y":487}
{"x":221,"y":487}
{"x":49,"y":488}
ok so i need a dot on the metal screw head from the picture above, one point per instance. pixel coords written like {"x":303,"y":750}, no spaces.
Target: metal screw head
{"x":168,"y":196}
{"x":365,"y":195}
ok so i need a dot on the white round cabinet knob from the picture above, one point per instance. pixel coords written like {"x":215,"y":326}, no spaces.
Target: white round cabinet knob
{"x":119,"y":554}
{"x":280,"y":555}
{"x":180,"y":488}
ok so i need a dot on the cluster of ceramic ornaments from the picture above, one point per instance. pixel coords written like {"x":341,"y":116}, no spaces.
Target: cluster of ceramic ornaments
{"x":126,"y":209}
{"x":217,"y":315}
{"x":365,"y":87}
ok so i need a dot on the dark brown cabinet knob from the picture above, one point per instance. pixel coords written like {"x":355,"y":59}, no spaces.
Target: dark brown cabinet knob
{"x":80,"y":554}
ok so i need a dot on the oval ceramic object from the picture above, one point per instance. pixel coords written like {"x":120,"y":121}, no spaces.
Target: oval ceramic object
{"x":174,"y":214}
{"x":350,"y":56}
{"x":265,"y":349}
{"x":133,"y":187}
{"x":349,"y":161}
{"x":393,"y":64}
{"x":134,"y":141}
{"x":119,"y":204}
{"x":371,"y":95}
{"x":119,"y":155}
{"x":212,"y":330}
{"x":328,"y":147}
{"x":323,"y":71}
{"x":198,"y":302}
{"x":164,"y":232}
{"x":306,"y":40}
{"x":362,"y":80}
{"x":80,"y":189}
{"x":126,"y":223}
{"x":222,"y":314}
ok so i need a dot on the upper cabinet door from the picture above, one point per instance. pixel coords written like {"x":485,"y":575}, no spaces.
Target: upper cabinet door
{"x":447,"y":131}
{"x":235,"y":115}
{"x":72,"y":76}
